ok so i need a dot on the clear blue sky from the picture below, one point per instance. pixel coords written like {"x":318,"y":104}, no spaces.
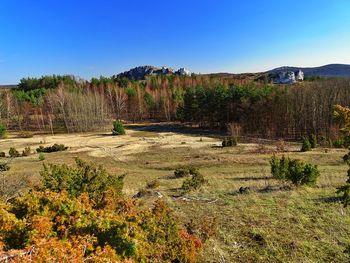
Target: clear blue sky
{"x":93,"y":38}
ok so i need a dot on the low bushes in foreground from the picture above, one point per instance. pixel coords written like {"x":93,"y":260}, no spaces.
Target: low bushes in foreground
{"x":295,"y":171}
{"x":85,"y":177}
{"x":80,"y":214}
{"x":54,"y":148}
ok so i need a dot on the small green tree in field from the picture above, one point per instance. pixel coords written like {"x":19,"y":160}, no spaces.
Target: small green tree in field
{"x":313,"y":141}
{"x":306,"y":145}
{"x":3,"y":131}
{"x":279,"y":167}
{"x":118,"y":128}
{"x":294,"y":171}
{"x":185,"y":170}
{"x":41,"y":157}
{"x":193,"y":183}
{"x":345,"y":189}
{"x":302,"y":174}
{"x":342,"y":116}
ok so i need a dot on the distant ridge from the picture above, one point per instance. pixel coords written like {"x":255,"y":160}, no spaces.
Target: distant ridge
{"x":142,"y":72}
{"x":331,"y":70}
{"x":7,"y":86}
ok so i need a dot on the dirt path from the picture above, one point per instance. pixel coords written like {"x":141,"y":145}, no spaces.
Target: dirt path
{"x":102,"y":145}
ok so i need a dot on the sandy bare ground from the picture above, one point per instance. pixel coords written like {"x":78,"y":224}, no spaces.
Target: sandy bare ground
{"x":105,"y":145}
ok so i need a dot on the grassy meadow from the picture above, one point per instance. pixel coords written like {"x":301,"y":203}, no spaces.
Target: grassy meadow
{"x":271,"y":222}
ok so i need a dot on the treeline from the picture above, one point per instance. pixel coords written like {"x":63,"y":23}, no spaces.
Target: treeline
{"x":268,"y":111}
{"x":64,"y":103}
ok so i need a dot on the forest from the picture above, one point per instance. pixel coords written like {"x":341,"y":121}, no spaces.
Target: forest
{"x":53,"y":104}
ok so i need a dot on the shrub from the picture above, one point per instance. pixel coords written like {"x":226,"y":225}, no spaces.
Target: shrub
{"x":232,"y":141}
{"x":26,"y":151}
{"x":341,"y":115}
{"x":4,"y":167}
{"x":118,"y":128}
{"x":205,"y":228}
{"x":54,"y":148}
{"x":324,"y":141}
{"x":302,"y":174}
{"x":224,"y":142}
{"x":346,"y":141}
{"x":152,"y":184}
{"x":229,"y":142}
{"x":42,"y":157}
{"x":2,"y":154}
{"x":72,"y":223}
{"x":86,"y":178}
{"x":279,"y":167}
{"x":342,"y":142}
{"x":185,"y":170}
{"x":347,"y":250}
{"x":13,"y":152}
{"x":306,"y":146}
{"x":339,"y":143}
{"x":313,"y":141}
{"x":193,"y":183}
{"x":345,"y":189}
{"x":293,"y":170}
{"x":143,"y":192}
{"x":281,"y":146}
{"x":3,"y":131}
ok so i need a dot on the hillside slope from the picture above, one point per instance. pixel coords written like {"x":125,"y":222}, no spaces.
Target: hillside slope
{"x":331,"y":70}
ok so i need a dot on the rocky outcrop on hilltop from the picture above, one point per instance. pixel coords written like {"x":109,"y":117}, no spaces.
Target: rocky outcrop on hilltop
{"x":143,"y":72}
{"x":286,"y":77}
{"x":331,"y":70}
{"x":183,"y":72}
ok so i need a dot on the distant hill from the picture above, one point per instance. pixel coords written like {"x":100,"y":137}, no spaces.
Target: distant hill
{"x":331,"y":70}
{"x":142,"y":72}
{"x":8,"y":86}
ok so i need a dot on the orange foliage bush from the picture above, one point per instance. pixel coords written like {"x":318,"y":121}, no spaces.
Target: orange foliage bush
{"x":66,"y":228}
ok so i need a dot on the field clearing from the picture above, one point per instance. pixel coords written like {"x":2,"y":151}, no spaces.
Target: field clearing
{"x":274,"y":222}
